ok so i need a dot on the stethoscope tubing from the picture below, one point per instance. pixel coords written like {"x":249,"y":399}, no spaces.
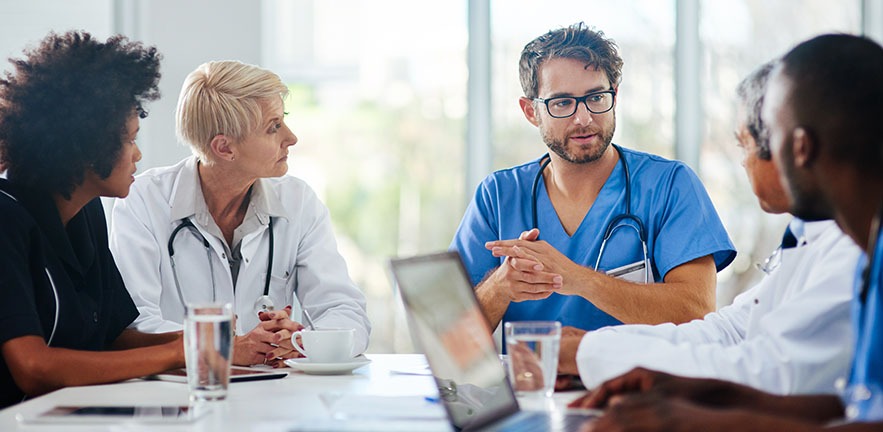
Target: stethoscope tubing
{"x":613,"y":224}
{"x":54,"y":290}
{"x":187,"y":223}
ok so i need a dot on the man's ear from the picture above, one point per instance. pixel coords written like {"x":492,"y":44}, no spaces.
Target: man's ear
{"x":527,"y":107}
{"x":221,"y":148}
{"x":805,"y":148}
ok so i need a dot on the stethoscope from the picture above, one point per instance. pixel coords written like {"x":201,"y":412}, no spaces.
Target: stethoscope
{"x":263,"y":303}
{"x":613,"y":225}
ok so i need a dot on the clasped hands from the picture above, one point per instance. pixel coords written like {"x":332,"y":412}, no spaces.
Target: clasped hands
{"x":269,"y":342}
{"x":533,"y":269}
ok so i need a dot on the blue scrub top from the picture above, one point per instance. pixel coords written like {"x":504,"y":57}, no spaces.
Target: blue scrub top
{"x":867,"y":367}
{"x":679,"y":219}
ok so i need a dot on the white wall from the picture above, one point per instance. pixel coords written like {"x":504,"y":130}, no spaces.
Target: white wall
{"x":24,"y":23}
{"x":187,"y":33}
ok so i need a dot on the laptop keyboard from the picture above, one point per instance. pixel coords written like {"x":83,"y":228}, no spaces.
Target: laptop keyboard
{"x":541,"y":421}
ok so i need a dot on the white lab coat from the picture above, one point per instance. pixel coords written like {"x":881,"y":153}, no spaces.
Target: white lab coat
{"x":307,"y":270}
{"x":790,"y":334}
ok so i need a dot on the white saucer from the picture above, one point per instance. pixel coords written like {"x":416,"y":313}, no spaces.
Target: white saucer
{"x":306,"y":366}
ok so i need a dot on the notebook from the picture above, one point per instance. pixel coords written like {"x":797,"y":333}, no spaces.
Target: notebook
{"x":446,"y":320}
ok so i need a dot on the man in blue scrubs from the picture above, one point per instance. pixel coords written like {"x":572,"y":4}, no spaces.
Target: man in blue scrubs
{"x":532,"y":237}
{"x":824,"y":106}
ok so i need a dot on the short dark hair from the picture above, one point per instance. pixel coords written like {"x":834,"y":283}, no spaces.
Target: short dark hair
{"x":837,"y":95}
{"x":64,"y":107}
{"x":750,"y":92}
{"x":578,"y":42}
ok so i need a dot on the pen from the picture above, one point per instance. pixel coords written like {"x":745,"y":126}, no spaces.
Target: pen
{"x":309,"y":320}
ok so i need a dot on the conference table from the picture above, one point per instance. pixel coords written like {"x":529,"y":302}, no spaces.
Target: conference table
{"x":393,"y":392}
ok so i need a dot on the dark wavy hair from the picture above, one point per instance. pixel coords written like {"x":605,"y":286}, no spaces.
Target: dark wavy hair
{"x":578,"y":42}
{"x":63,"y":108}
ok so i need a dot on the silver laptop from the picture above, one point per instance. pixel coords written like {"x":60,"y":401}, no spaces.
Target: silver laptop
{"x":446,"y":320}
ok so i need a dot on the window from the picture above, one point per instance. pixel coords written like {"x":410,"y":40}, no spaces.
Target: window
{"x":378,"y":104}
{"x":736,"y":37}
{"x":644,"y":32}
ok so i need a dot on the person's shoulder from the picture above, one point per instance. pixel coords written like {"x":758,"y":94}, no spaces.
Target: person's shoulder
{"x":296,"y":196}
{"x":12,"y":214}
{"x":159,"y":173}
{"x":660,"y":170}
{"x":10,"y":206}
{"x":528,"y":169}
{"x":162,"y":177}
{"x":287,"y":184}
{"x":289,"y":190}
{"x":14,"y":217}
{"x":827,"y":235}
{"x":650,"y":160}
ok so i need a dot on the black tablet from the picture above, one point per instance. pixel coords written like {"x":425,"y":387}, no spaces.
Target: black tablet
{"x":237,"y":374}
{"x":72,"y":414}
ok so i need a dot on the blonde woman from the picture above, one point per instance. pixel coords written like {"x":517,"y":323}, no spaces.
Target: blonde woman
{"x":228,"y":224}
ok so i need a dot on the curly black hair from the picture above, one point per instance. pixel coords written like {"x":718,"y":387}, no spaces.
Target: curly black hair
{"x":63,"y":108}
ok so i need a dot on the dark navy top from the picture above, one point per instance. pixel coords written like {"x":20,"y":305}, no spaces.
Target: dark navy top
{"x":48,"y":269}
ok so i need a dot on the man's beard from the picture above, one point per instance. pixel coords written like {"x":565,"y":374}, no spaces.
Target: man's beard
{"x":805,"y":203}
{"x":559,"y":147}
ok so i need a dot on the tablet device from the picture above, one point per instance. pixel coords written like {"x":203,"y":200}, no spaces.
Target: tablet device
{"x":72,"y":414}
{"x":237,"y":374}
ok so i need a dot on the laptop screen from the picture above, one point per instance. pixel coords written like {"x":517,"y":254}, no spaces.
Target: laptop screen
{"x":445,"y":318}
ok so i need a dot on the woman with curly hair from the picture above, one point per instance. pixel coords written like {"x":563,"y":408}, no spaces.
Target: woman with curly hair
{"x":69,"y":114}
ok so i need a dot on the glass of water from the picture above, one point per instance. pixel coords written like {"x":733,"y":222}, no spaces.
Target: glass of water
{"x":208,"y":349}
{"x":532,"y":347}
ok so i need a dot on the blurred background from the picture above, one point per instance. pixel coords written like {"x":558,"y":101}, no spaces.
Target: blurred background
{"x":403,"y":106}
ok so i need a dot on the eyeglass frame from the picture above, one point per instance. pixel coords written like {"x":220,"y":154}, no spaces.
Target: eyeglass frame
{"x":583,"y":99}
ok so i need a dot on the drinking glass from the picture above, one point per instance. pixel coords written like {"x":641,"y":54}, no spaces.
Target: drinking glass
{"x":533,"y":356}
{"x":208,"y":349}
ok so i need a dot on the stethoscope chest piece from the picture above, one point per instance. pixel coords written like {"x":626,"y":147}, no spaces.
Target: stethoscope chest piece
{"x":263,"y":304}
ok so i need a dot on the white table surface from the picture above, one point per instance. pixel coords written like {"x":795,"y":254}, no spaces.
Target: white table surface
{"x":266,"y":406}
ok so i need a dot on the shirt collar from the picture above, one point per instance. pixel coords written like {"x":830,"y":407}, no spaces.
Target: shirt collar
{"x":188,"y":193}
{"x":265,"y":201}
{"x":808,"y":232}
{"x":189,"y":200}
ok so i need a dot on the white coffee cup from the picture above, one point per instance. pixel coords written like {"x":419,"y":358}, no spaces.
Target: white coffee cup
{"x":325,"y":345}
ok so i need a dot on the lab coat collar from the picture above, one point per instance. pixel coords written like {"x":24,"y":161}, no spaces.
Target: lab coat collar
{"x":72,"y":244}
{"x":266,"y":202}
{"x":808,"y":232}
{"x":189,"y":201}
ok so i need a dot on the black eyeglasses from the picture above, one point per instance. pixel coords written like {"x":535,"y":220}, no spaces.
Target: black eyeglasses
{"x":563,"y":107}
